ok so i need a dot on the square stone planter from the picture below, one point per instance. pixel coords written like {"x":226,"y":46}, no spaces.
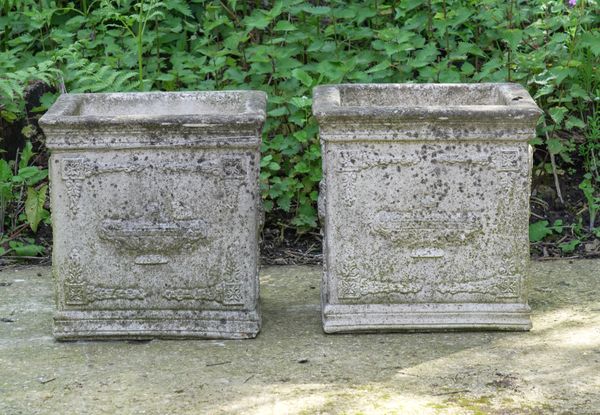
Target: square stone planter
{"x":156,"y":214}
{"x":425,"y":206}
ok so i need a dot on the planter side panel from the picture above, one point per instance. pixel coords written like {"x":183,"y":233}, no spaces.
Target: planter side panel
{"x":156,"y":242}
{"x":438,"y":226}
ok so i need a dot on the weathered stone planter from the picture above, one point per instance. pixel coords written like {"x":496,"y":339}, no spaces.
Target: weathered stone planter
{"x":156,"y":214}
{"x":425,"y":206}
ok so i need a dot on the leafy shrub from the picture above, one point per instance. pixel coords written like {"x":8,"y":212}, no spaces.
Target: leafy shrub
{"x":287,"y":47}
{"x":23,"y":193}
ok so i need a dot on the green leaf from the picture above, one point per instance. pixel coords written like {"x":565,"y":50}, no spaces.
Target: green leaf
{"x":31,"y":175}
{"x":268,"y":205}
{"x":26,"y":155}
{"x":319,"y":11}
{"x":34,"y":206}
{"x":568,"y":247}
{"x":284,"y":26}
{"x":539,"y":230}
{"x":557,"y":226}
{"x":591,"y":40}
{"x":278,"y":112}
{"x":5,"y":171}
{"x":264,"y":162}
{"x":27,"y":250}
{"x":574,"y":122}
{"x":557,"y":114}
{"x":555,"y":146}
{"x":284,"y":202}
{"x":302,"y":76}
{"x":513,"y":37}
{"x":258,"y":20}
{"x":380,"y":66}
{"x":301,"y":102}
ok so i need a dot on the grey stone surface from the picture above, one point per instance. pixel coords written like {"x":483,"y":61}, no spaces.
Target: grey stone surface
{"x":292,"y":367}
{"x":156,"y":213}
{"x":425,"y":204}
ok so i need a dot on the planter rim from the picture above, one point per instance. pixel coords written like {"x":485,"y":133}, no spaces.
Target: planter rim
{"x":66,"y":111}
{"x":513,"y":104}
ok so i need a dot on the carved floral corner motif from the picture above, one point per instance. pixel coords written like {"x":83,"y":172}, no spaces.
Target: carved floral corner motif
{"x":507,"y":160}
{"x":349,"y":281}
{"x":232,"y":294}
{"x":233,"y":167}
{"x":79,"y":292}
{"x":508,"y":286}
{"x":74,"y":284}
{"x":74,"y":171}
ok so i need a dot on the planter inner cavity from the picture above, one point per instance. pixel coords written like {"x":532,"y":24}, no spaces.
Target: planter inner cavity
{"x":156,"y":214}
{"x":425,"y":206}
{"x":414,"y":95}
{"x":159,"y":104}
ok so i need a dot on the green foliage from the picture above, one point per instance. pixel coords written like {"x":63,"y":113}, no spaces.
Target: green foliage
{"x":541,"y":229}
{"x":23,"y":192}
{"x":287,"y":47}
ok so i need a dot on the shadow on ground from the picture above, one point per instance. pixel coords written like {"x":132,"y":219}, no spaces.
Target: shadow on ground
{"x":293,"y":368}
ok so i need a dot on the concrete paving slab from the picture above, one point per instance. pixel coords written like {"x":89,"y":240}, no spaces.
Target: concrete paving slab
{"x":293,"y":368}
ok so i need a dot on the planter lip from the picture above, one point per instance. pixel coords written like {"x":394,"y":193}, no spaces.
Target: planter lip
{"x":68,"y":111}
{"x":513,"y":103}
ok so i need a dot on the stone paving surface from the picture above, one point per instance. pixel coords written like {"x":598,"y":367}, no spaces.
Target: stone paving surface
{"x":293,"y":368}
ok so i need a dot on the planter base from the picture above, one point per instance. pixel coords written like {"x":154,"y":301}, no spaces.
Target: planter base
{"x":425,"y":317}
{"x":111,"y":325}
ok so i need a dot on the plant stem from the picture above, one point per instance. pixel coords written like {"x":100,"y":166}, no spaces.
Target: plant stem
{"x":554,"y":171}
{"x":140,"y":62}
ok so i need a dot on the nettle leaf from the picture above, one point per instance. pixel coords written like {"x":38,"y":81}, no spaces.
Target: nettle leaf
{"x":545,"y":90}
{"x":302,"y":76}
{"x":380,"y":66}
{"x":574,"y":122}
{"x":449,"y":76}
{"x":278,"y":112}
{"x":34,"y":206}
{"x":425,"y":56}
{"x":558,"y":114}
{"x":180,"y":6}
{"x":362,"y":13}
{"x":284,"y":26}
{"x":555,"y":146}
{"x":258,"y":20}
{"x":317,"y":10}
{"x":590,"y":40}
{"x":513,"y":37}
{"x":301,"y":102}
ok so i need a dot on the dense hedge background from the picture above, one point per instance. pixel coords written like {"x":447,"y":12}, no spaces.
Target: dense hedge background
{"x":286,"y":48}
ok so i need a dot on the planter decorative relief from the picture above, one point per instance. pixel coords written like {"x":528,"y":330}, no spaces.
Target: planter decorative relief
{"x":425,"y":206}
{"x":156,"y":214}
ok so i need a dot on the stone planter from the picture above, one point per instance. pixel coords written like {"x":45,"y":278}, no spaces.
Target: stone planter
{"x":425,"y":206}
{"x":156,"y":214}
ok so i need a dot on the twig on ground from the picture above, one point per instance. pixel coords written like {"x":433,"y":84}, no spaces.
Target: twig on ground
{"x":452,"y":392}
{"x":217,"y":364}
